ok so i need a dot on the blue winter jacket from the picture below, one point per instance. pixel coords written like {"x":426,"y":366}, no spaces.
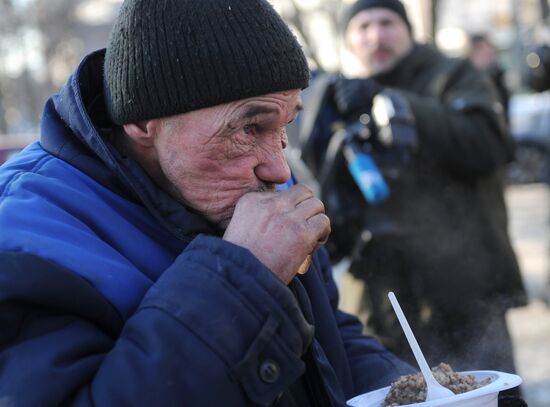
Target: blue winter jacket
{"x":113,"y":294}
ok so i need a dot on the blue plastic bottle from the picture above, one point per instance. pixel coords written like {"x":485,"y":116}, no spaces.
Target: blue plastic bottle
{"x":366,"y":174}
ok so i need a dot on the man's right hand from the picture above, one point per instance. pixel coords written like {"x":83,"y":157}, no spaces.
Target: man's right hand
{"x":353,"y":97}
{"x":280,"y":228}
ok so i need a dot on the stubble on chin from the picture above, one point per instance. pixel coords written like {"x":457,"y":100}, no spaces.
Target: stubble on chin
{"x":377,"y":66}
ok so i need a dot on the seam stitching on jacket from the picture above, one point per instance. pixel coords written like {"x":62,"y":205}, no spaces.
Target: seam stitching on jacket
{"x":19,"y":174}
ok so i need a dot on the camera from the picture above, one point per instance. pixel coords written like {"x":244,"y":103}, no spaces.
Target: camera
{"x":387,"y":134}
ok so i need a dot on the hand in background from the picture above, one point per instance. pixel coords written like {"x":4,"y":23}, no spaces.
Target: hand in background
{"x":353,"y":97}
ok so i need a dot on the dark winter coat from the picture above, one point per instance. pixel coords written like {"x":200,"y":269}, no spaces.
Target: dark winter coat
{"x":446,"y":211}
{"x":112,"y":293}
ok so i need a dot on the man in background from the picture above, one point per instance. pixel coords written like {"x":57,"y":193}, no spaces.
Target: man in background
{"x":482,"y":53}
{"x":437,"y":135}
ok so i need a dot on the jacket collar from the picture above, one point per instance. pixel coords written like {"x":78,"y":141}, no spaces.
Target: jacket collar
{"x":74,"y":128}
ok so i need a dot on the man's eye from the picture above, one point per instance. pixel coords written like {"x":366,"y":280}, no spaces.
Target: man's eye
{"x":249,"y":129}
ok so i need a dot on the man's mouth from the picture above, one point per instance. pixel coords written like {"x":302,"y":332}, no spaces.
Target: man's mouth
{"x":381,"y":54}
{"x":265,"y":187}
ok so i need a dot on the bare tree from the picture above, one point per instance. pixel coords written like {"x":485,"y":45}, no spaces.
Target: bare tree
{"x":55,"y":20}
{"x":305,"y":19}
{"x":8,"y":27}
{"x":48,"y":38}
{"x":545,"y":9}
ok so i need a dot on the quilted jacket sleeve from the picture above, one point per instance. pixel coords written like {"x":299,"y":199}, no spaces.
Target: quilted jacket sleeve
{"x":200,"y":336}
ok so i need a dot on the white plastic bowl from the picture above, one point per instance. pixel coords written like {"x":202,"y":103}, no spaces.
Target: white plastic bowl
{"x":485,"y":396}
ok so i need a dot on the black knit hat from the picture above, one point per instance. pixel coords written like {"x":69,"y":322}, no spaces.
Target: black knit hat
{"x":360,"y":5}
{"x":167,"y":57}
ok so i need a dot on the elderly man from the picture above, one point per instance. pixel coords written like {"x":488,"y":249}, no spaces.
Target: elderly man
{"x":146,"y":256}
{"x":435,"y":130}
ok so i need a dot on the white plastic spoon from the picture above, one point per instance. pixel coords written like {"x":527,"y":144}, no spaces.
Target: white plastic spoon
{"x":434,"y":390}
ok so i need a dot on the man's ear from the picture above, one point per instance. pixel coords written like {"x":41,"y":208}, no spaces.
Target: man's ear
{"x":142,"y":133}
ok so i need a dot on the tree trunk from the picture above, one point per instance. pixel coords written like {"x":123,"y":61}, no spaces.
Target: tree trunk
{"x":544,"y":9}
{"x":434,"y":7}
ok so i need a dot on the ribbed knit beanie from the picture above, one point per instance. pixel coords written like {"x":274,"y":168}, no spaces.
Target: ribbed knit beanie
{"x":360,"y":5}
{"x":166,"y":57}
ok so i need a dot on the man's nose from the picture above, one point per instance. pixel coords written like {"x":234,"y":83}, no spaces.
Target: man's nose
{"x":273,"y":168}
{"x":374,"y":34}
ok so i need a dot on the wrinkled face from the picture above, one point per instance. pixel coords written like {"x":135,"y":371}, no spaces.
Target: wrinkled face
{"x":211,"y":157}
{"x":379,"y":38}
